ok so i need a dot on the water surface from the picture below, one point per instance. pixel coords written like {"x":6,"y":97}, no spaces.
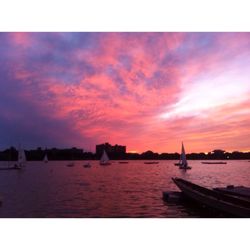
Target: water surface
{"x":119,"y":190}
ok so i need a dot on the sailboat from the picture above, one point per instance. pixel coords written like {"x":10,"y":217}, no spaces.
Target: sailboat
{"x":104,"y":159}
{"x":45,"y":159}
{"x":20,"y":162}
{"x":183,"y":164}
{"x":21,"y":159}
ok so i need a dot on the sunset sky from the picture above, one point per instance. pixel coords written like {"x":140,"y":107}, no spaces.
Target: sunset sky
{"x":148,"y":91}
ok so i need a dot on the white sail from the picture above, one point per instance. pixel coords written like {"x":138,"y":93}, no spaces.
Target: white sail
{"x":21,"y":156}
{"x":45,"y":159}
{"x":183,"y":156}
{"x":183,"y":164}
{"x":21,"y":159}
{"x":104,"y":157}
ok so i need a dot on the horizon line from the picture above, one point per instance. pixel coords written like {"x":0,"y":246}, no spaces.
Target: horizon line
{"x":128,"y":152}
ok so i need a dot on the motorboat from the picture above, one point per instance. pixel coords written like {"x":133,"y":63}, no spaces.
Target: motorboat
{"x":228,"y":204}
{"x":238,"y":191}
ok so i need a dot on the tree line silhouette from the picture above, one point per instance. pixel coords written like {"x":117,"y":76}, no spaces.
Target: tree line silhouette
{"x":38,"y":154}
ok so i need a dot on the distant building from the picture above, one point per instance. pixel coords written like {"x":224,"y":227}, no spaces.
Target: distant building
{"x":116,"y":149}
{"x":218,"y":151}
{"x":218,"y":154}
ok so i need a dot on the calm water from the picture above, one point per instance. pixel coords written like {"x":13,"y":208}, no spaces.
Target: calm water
{"x":118,"y":190}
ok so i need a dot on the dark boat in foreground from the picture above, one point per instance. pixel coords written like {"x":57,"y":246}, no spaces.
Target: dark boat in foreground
{"x":239,"y":191}
{"x":214,"y":162}
{"x":235,"y":206}
{"x":123,"y":162}
{"x":151,"y":162}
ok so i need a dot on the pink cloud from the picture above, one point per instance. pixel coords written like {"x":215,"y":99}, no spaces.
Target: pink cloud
{"x":21,"y":39}
{"x":131,"y":80}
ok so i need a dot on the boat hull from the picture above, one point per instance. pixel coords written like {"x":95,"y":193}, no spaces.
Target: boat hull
{"x":105,"y":163}
{"x":204,"y":162}
{"x":213,"y":199}
{"x":10,"y":168}
{"x":87,"y":166}
{"x":240,"y":191}
{"x":185,"y":168}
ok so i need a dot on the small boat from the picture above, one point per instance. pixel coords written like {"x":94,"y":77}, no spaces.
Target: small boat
{"x":15,"y":167}
{"x":87,"y":165}
{"x":183,"y":164}
{"x":151,"y":162}
{"x":214,"y":199}
{"x":214,"y":162}
{"x":45,"y":159}
{"x":123,"y":162}
{"x":177,"y":164}
{"x":104,"y":161}
{"x":70,"y":164}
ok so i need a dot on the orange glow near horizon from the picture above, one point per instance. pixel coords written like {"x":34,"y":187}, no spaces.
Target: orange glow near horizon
{"x":132,"y":151}
{"x":148,"y":91}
